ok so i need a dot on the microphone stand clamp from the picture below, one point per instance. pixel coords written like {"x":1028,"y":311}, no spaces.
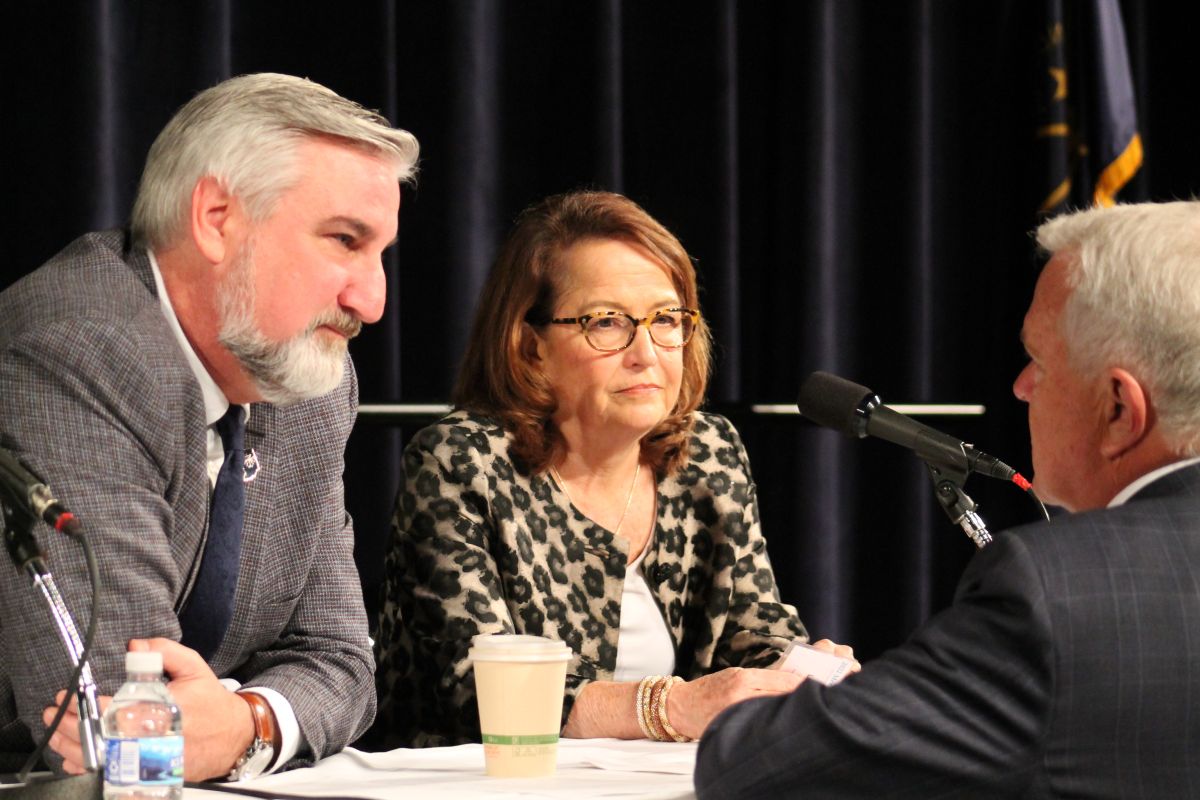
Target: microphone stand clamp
{"x":961,"y":509}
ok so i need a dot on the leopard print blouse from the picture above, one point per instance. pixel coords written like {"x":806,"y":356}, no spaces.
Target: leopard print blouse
{"x":479,"y":546}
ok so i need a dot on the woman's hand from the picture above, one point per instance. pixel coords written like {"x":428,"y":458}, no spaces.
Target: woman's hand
{"x":692,"y":705}
{"x":839,"y":650}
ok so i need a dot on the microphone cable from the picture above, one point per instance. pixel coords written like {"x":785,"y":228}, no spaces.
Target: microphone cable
{"x":1027,"y":487}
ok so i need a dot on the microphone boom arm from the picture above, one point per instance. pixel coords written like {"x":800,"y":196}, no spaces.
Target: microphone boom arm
{"x":90,"y":736}
{"x":18,"y":532}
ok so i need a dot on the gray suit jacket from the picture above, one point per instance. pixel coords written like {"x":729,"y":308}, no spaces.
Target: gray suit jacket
{"x":95,"y":395}
{"x":1068,"y":666}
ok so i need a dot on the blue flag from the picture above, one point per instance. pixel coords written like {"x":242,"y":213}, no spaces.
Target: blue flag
{"x":1089,"y":118}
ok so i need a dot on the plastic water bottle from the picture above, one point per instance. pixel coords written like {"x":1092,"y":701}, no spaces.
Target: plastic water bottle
{"x":143,"y":735}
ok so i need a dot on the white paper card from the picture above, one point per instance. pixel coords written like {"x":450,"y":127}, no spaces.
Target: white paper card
{"x":804,"y":659}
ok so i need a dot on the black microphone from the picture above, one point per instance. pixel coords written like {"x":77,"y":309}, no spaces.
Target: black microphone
{"x":855,"y":410}
{"x":28,"y":491}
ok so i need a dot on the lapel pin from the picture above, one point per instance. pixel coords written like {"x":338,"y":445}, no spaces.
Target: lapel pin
{"x":250,"y":466}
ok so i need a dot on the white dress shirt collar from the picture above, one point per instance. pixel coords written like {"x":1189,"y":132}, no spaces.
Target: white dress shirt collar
{"x":1147,"y":479}
{"x":215,"y":402}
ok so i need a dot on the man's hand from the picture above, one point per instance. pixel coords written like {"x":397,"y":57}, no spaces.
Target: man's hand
{"x":217,"y":724}
{"x":65,"y":740}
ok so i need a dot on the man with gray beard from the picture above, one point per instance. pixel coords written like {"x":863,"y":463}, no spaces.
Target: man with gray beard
{"x":185,"y":387}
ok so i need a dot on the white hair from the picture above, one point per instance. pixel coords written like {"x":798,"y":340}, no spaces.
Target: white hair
{"x":244,"y":132}
{"x":1135,"y":302}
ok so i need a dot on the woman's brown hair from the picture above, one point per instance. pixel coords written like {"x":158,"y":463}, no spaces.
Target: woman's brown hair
{"x":500,"y":376}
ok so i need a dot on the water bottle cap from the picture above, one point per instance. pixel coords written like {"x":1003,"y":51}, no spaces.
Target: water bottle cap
{"x":143,"y":661}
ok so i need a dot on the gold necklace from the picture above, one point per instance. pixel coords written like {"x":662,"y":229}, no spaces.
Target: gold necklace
{"x":628,"y":498}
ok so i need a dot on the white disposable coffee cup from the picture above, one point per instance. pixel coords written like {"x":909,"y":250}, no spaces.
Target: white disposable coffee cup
{"x":520,"y":682}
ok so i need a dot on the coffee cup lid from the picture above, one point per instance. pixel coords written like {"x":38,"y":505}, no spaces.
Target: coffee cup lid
{"x":517,"y":647}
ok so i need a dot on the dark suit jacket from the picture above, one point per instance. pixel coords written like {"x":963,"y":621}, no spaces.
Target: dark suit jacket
{"x":96,"y":396}
{"x":1068,"y":666}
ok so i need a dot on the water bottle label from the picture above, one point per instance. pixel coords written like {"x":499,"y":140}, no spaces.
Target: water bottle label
{"x":155,"y":761}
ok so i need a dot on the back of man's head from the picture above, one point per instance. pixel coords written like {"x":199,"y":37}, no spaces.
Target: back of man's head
{"x":1135,"y":302}
{"x":244,"y":132}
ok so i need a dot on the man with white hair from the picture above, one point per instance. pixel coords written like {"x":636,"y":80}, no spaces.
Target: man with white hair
{"x":1069,"y":663}
{"x":185,"y":388}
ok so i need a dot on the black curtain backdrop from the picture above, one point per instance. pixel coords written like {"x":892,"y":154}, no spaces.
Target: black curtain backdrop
{"x":856,"y":181}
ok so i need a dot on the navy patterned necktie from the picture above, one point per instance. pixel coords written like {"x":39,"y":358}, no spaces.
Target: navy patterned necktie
{"x":209,"y":608}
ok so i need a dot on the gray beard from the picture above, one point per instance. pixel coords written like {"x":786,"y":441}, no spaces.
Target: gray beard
{"x":287,"y":372}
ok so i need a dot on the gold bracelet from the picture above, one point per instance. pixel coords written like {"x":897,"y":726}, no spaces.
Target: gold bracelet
{"x":639,"y":706}
{"x":660,"y":735}
{"x":656,"y":733}
{"x":662,"y":711}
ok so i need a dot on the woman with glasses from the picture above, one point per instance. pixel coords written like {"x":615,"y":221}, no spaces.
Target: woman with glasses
{"x":578,"y":493}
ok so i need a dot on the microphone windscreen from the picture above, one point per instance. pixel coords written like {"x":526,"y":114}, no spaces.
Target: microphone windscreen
{"x":832,"y":401}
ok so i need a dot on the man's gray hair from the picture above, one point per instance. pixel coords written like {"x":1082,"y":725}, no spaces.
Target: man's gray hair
{"x":244,"y":132}
{"x":1135,"y":302}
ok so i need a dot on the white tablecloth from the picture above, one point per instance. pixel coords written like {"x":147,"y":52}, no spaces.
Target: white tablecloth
{"x":587,"y":768}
